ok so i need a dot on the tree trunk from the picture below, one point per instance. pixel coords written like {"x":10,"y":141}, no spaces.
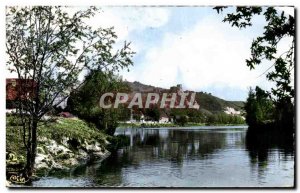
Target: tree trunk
{"x":28,"y":169}
{"x":31,"y":151}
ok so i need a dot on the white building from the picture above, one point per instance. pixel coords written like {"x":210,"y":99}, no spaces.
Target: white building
{"x":164,"y":119}
{"x":231,"y":111}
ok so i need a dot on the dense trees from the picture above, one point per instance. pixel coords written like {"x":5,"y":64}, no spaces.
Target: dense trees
{"x":223,"y":118}
{"x":84,"y":102}
{"x":183,"y":116}
{"x":259,"y":107}
{"x":196,"y":116}
{"x":50,"y":48}
{"x":153,"y":112}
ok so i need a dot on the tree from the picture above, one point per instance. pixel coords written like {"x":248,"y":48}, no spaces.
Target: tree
{"x":181,"y":120}
{"x":265,"y":47}
{"x":180,"y":116}
{"x":195,"y":116}
{"x":50,"y":48}
{"x":137,"y":117}
{"x":153,"y":112}
{"x":84,"y":102}
{"x":259,"y":107}
{"x":211,"y":119}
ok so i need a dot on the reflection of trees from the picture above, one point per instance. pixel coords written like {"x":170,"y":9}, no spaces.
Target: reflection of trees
{"x":176,"y":145}
{"x":110,"y":172}
{"x":154,"y":146}
{"x":106,"y":173}
{"x":198,"y":144}
{"x":169,"y":145}
{"x":260,"y":145}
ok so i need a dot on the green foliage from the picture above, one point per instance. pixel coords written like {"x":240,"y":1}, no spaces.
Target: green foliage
{"x":182,"y":116}
{"x":145,"y":125}
{"x":259,"y":107}
{"x":209,"y":104}
{"x":153,"y":113}
{"x":14,"y":142}
{"x":223,"y":118}
{"x":50,"y":48}
{"x":284,"y":115}
{"x":95,"y":84}
{"x":117,"y":142}
{"x":215,"y":104}
{"x":181,"y":120}
{"x":136,"y":117}
{"x":72,"y":129}
{"x":84,"y":102}
{"x":242,"y":17}
{"x":196,"y":116}
{"x":188,"y":116}
{"x":57,"y":110}
{"x":12,"y":120}
{"x":75,"y":129}
{"x":124,"y":113}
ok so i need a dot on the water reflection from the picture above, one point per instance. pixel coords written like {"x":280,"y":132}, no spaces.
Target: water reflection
{"x":174,"y":144}
{"x":202,"y":157}
{"x":265,"y":147}
{"x":259,"y":144}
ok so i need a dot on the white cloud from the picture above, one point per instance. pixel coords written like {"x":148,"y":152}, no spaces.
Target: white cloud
{"x":128,"y":19}
{"x":287,"y":10}
{"x":124,"y":20}
{"x":210,"y":54}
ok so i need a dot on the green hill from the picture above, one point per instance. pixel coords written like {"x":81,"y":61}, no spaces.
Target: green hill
{"x":209,"y":104}
{"x":214,"y":104}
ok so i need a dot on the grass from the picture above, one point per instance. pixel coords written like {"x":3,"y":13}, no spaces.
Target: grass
{"x":15,"y":149}
{"x":63,"y":127}
{"x":71,"y":128}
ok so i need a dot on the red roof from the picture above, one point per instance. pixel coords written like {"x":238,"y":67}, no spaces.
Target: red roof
{"x":66,"y":114}
{"x":22,"y":88}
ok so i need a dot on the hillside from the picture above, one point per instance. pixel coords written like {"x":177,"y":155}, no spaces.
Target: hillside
{"x":209,"y":104}
{"x":139,"y":87}
{"x":214,"y":104}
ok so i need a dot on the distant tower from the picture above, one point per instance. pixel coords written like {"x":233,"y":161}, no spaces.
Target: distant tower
{"x":179,"y":87}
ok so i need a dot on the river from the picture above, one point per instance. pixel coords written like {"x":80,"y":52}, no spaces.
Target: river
{"x":188,"y":157}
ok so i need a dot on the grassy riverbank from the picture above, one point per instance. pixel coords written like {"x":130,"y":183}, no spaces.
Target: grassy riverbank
{"x":62,"y":144}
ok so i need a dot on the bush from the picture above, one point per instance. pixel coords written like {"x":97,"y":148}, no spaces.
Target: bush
{"x":13,"y":120}
{"x":259,"y":107}
{"x":84,"y":102}
{"x":181,"y":120}
{"x":223,"y":118}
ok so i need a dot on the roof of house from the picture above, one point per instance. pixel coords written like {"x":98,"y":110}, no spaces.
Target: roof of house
{"x":22,"y":88}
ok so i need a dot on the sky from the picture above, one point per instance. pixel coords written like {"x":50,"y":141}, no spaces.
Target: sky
{"x":189,"y":46}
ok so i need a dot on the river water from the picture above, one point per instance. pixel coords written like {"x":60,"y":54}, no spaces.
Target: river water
{"x":189,"y":157}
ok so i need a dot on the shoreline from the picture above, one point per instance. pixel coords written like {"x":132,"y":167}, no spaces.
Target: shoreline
{"x":192,"y":126}
{"x":212,"y":127}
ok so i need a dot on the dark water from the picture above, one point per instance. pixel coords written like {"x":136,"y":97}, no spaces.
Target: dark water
{"x":190,"y":157}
